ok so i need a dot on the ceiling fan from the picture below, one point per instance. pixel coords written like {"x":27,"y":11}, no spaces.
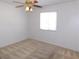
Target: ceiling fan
{"x":28,"y":4}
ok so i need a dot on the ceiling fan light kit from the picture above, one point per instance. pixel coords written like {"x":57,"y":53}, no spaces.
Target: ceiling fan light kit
{"x":29,"y":4}
{"x":28,"y":8}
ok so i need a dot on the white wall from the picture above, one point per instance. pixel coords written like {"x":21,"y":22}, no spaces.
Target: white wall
{"x":13,"y":24}
{"x":67,"y":34}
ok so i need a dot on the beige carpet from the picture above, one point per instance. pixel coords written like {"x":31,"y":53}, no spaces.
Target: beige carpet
{"x":32,"y":49}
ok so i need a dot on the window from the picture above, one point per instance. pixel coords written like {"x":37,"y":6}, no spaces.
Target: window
{"x":48,"y":21}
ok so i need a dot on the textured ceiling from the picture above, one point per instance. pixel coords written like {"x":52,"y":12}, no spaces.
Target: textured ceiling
{"x":52,"y":2}
{"x":41,"y":2}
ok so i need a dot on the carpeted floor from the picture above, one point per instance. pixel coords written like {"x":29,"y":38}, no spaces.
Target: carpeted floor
{"x":33,"y":49}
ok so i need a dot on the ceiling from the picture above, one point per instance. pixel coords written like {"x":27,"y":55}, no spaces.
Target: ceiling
{"x":41,"y":2}
{"x":52,"y":2}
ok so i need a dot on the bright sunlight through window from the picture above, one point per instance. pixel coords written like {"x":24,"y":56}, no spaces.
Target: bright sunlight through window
{"x":48,"y":21}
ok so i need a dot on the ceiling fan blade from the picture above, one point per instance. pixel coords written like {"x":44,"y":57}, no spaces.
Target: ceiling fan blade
{"x":37,"y":6}
{"x":19,"y":6}
{"x":35,"y":1}
{"x":17,"y":2}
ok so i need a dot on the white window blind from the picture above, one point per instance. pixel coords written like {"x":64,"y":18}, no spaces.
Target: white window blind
{"x":48,"y":20}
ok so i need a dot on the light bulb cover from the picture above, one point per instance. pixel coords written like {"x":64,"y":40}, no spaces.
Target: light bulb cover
{"x":27,"y":8}
{"x":31,"y":9}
